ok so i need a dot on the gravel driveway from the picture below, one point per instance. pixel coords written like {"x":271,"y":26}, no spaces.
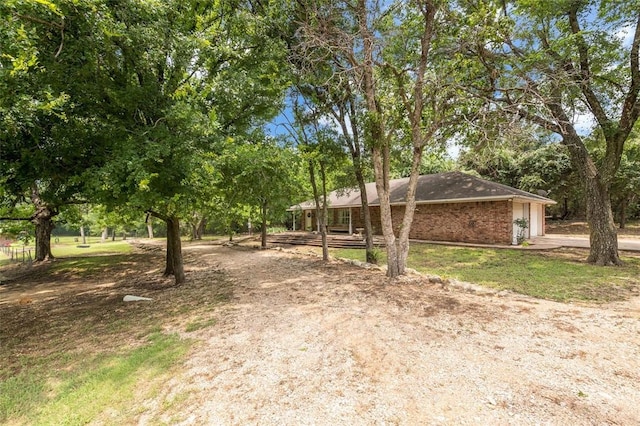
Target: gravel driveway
{"x":303,"y":342}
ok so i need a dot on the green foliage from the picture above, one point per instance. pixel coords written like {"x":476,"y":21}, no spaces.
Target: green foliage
{"x":253,"y":175}
{"x":13,"y":228}
{"x":522,"y":224}
{"x":50,"y":89}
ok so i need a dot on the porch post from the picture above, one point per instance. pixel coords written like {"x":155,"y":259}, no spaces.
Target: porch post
{"x":294,"y":220}
{"x":350,"y":225}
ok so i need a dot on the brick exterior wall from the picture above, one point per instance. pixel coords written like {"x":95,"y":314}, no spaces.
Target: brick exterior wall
{"x":489,"y":222}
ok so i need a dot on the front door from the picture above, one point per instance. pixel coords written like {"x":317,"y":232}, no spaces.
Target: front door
{"x":307,"y":220}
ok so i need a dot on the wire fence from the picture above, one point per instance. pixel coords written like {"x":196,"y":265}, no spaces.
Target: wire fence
{"x":17,"y":254}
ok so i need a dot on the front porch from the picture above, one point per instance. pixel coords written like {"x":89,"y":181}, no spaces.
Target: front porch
{"x":315,"y":239}
{"x":339,"y":221}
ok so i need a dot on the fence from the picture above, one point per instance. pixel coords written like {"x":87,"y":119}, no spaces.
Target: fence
{"x":17,"y":254}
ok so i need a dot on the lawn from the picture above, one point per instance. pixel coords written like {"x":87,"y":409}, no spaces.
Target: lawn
{"x":560,"y":275}
{"x":74,"y":353}
{"x":73,"y":388}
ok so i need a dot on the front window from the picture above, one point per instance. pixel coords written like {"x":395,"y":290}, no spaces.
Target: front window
{"x":343,"y":216}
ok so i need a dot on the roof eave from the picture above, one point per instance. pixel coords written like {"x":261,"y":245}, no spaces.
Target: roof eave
{"x":545,"y":201}
{"x":479,"y":199}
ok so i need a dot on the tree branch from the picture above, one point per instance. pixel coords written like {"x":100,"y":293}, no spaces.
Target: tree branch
{"x":158,"y":215}
{"x":40,"y":21}
{"x":583,"y":78}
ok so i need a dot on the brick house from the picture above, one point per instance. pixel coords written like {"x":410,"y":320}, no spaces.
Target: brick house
{"x":451,"y":206}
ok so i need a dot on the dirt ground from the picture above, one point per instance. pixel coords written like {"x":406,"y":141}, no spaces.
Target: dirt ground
{"x":297,"y":341}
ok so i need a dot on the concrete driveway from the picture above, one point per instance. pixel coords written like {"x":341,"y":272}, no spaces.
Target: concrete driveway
{"x":581,"y":241}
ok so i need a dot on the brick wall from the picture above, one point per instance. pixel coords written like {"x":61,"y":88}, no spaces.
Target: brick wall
{"x":489,"y":222}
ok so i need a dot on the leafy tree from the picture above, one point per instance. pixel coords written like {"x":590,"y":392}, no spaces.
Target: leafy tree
{"x":323,"y":153}
{"x":399,"y":54}
{"x":554,"y":62}
{"x":334,"y":94}
{"x":51,"y":84}
{"x":260,"y":175}
{"x":189,"y":76}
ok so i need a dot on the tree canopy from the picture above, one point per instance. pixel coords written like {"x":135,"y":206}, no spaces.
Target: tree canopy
{"x":159,"y":107}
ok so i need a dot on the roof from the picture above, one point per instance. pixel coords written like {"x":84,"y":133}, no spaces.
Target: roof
{"x":450,"y":187}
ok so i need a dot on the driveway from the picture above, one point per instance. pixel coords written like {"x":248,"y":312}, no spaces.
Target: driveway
{"x":580,"y":241}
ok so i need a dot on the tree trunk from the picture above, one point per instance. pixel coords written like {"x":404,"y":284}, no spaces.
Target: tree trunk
{"x":378,"y":140}
{"x":381,"y":167}
{"x":150,"y":230}
{"x":43,"y":220}
{"x":623,"y":212}
{"x":603,"y":235}
{"x":82,"y":235}
{"x":353,"y":142}
{"x":325,"y":214}
{"x":168,"y":268}
{"x":113,"y":234}
{"x":320,"y":211}
{"x":44,"y":226}
{"x":201,"y":226}
{"x":197,"y":228}
{"x":105,"y":233}
{"x":174,"y":245}
{"x":366,"y":217}
{"x":263,"y":228}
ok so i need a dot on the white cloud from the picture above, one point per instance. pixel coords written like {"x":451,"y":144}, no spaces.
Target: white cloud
{"x":625,"y":35}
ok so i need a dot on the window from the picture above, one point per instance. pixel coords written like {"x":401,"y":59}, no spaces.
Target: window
{"x":343,"y":216}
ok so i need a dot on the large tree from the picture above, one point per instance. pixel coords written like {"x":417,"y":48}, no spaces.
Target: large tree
{"x":559,"y":64}
{"x":51,"y":85}
{"x":189,"y":76}
{"x":334,"y":94}
{"x":399,"y":53}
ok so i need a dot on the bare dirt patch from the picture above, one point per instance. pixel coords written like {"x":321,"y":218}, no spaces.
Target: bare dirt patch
{"x":303,"y":342}
{"x":298,"y":341}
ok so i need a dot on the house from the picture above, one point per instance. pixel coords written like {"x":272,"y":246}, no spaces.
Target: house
{"x":450,"y":206}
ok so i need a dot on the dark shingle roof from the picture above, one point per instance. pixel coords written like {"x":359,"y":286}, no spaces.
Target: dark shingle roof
{"x":438,"y":188}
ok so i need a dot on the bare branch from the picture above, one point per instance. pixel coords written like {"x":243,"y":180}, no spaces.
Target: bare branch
{"x":583,"y":78}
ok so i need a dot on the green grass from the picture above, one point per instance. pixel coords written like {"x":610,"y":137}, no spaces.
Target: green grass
{"x":67,"y":250}
{"x":89,"y":266}
{"x":545,"y":275}
{"x":110,"y":385}
{"x":66,"y":247}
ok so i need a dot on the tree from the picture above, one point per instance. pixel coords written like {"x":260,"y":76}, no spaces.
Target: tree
{"x":400,"y":56}
{"x":188,"y":77}
{"x":321,"y":150}
{"x":625,"y":186}
{"x":261,"y":175}
{"x":51,"y":85}
{"x":334,"y":93}
{"x":554,"y":64}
